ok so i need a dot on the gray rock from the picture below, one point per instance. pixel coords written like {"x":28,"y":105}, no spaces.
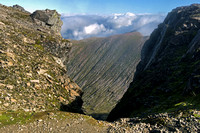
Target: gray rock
{"x":48,"y":18}
{"x":18,"y":7}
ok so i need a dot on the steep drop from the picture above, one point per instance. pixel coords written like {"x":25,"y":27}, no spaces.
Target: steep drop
{"x":104,"y":68}
{"x":167,"y":77}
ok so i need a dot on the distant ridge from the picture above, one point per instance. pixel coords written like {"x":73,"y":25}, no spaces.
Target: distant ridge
{"x":104,"y":67}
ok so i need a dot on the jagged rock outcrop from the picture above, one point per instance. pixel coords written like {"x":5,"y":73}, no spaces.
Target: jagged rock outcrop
{"x":104,"y":68}
{"x":32,"y":74}
{"x":48,"y":18}
{"x":167,"y":78}
{"x":18,"y":7}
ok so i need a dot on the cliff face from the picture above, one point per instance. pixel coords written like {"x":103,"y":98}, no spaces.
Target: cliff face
{"x":32,"y":74}
{"x":167,"y":77}
{"x":104,"y":68}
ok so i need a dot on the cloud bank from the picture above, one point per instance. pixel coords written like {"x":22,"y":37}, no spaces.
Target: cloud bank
{"x":80,"y":26}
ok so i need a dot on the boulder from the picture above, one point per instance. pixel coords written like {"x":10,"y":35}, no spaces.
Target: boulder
{"x":48,"y":18}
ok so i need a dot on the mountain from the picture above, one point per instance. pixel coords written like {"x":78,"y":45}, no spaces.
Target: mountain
{"x":36,"y":94}
{"x":104,"y":67}
{"x":35,"y":91}
{"x":32,"y":52}
{"x":167,"y":78}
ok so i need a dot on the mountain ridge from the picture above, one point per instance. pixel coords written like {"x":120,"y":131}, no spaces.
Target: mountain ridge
{"x":102,"y":65}
{"x":36,"y":91}
{"x":166,"y":79}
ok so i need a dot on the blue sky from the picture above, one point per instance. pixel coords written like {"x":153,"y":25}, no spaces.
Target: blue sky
{"x":102,"y":6}
{"x":99,"y":18}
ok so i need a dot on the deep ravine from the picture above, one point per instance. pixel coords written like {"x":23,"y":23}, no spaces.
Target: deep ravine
{"x":34,"y":86}
{"x":104,"y":68}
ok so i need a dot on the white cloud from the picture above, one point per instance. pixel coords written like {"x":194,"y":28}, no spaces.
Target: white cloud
{"x":120,"y":20}
{"x":80,"y":26}
{"x":94,"y":29}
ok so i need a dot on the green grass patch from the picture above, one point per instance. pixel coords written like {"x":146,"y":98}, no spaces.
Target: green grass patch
{"x":197,"y":115}
{"x":19,"y":117}
{"x":8,"y":118}
{"x":39,"y":47}
{"x":182,"y":104}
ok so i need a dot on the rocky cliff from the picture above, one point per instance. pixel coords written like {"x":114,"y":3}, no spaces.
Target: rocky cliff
{"x":34,"y":86}
{"x":167,"y":78}
{"x":104,"y":68}
{"x":32,"y":74}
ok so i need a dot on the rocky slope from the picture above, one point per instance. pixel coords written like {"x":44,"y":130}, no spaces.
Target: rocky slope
{"x":104,"y":68}
{"x":167,"y":78}
{"x":32,"y":53}
{"x":34,"y":86}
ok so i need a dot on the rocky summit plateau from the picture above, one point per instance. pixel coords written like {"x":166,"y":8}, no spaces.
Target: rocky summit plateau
{"x":37,"y":68}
